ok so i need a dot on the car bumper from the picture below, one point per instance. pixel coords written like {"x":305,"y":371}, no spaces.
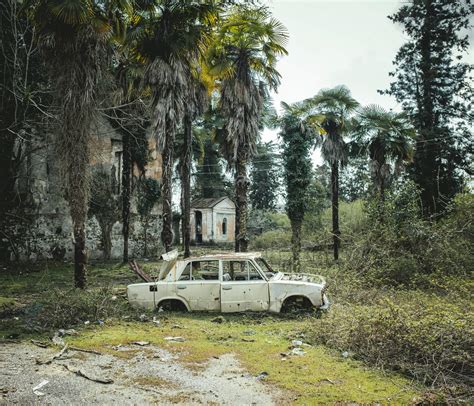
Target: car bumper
{"x":326,"y":303}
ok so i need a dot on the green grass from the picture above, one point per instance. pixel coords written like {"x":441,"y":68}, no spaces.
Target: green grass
{"x":38,"y":278}
{"x":6,"y":302}
{"x":319,"y":374}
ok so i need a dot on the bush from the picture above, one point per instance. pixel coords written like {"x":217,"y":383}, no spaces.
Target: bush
{"x":416,"y":334}
{"x":399,"y":247}
{"x":280,"y":220}
{"x":275,"y":239}
{"x":63,"y":309}
{"x":352,"y":221}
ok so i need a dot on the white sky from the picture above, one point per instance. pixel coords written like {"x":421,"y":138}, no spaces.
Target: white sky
{"x":335,"y":42}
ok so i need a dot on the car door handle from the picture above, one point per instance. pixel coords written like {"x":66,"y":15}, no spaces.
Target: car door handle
{"x":182,"y":286}
{"x":226,"y":287}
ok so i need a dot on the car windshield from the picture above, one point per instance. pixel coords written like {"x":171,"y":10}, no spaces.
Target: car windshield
{"x":266,"y":268}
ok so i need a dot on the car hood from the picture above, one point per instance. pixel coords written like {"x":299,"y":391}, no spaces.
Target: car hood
{"x":169,"y":261}
{"x":299,"y":277}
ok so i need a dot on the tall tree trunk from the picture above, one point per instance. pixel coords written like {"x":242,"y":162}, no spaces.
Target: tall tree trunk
{"x":186,"y":185}
{"x":78,"y":200}
{"x":106,"y":240}
{"x":145,"y":236}
{"x":80,"y":255}
{"x":296,"y":244}
{"x":126,"y":189}
{"x":335,"y":208}
{"x":425,"y":162}
{"x":237,"y":219}
{"x":241,"y":191}
{"x":382,"y":190}
{"x":181,"y":203}
{"x":166,"y":191}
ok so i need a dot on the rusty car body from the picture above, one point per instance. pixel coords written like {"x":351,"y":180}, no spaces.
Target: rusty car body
{"x":227,"y":283}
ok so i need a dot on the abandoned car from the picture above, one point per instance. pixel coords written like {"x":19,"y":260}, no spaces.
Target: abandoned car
{"x":226,"y":283}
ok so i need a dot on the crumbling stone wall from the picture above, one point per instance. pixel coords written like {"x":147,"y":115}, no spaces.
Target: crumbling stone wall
{"x":40,"y":227}
{"x":31,"y":237}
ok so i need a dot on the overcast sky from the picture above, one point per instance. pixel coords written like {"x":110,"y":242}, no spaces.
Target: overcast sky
{"x":333,"y":42}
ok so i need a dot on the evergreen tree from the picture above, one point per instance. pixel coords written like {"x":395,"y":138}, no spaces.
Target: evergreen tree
{"x":297,"y":140}
{"x":432,"y":84}
{"x":265,"y":177}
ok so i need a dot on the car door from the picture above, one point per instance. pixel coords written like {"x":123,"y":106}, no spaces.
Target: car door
{"x":199,"y":285}
{"x":243,"y":287}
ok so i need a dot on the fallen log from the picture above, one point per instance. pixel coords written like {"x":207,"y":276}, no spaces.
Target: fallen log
{"x":139,"y":272}
{"x":84,"y":350}
{"x":55,"y":356}
{"x":78,"y":372}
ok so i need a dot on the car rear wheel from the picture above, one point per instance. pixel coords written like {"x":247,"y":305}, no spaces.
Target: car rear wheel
{"x":171,"y":305}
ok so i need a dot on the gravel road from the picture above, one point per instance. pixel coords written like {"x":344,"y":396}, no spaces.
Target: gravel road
{"x":150,"y":375}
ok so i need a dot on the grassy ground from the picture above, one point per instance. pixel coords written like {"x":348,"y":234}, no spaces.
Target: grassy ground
{"x":260,"y":344}
{"x":38,"y":299}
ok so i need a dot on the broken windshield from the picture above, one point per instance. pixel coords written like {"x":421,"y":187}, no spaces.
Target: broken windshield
{"x":266,"y":268}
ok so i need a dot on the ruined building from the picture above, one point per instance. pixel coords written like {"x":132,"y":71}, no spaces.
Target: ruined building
{"x":39,"y":225}
{"x":213,"y":220}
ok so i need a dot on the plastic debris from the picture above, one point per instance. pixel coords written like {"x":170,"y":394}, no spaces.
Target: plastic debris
{"x":57,"y":340}
{"x":143,"y":317}
{"x":141,"y":343}
{"x":262,"y":375}
{"x":36,"y":389}
{"x":87,"y":322}
{"x":298,"y":351}
{"x":297,"y":343}
{"x":345,"y":354}
{"x":177,"y":339}
{"x":155,"y":320}
{"x":69,"y":332}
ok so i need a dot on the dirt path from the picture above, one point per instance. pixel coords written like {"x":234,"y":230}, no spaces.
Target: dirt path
{"x":149,"y":376}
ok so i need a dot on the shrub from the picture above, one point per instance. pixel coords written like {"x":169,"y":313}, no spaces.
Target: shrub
{"x":275,"y":239}
{"x":280,"y":220}
{"x":63,"y":309}
{"x":419,"y":335}
{"x":399,"y":247}
{"x":352,"y":219}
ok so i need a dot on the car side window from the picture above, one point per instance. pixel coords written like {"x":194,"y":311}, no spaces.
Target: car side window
{"x":235,"y":271}
{"x":205,"y":270}
{"x":186,"y":274}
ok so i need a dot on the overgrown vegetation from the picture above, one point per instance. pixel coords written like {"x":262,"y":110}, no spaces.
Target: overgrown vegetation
{"x":419,"y":334}
{"x":401,"y":264}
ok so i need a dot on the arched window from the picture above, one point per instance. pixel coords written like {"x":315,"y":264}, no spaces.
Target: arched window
{"x":224,"y":226}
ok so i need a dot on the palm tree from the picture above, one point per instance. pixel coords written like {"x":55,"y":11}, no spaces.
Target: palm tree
{"x":387,"y":136}
{"x":75,"y":38}
{"x":243,"y":56}
{"x":130,"y":119}
{"x":335,"y":107}
{"x":171,"y":40}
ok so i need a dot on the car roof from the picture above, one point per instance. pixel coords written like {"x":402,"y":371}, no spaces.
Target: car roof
{"x":230,"y":255}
